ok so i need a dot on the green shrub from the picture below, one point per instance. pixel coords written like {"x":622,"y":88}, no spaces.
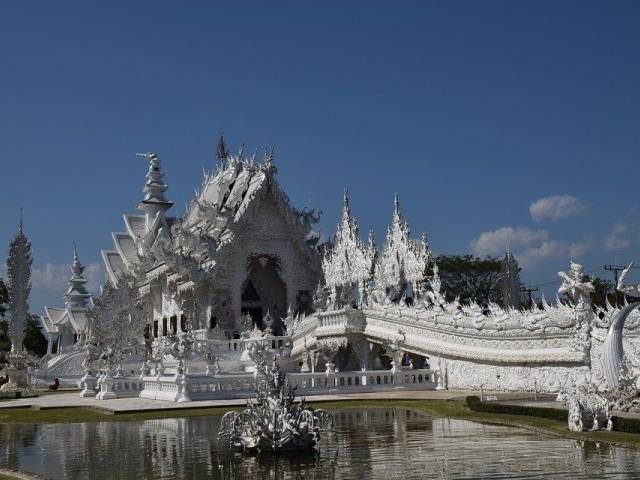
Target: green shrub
{"x":476,"y":405}
{"x":624,"y":424}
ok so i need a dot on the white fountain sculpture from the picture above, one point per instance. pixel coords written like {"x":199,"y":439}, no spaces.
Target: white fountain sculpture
{"x":273,"y":422}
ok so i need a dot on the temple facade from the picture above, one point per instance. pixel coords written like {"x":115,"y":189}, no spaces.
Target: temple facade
{"x":243,"y":265}
{"x":241,"y":251}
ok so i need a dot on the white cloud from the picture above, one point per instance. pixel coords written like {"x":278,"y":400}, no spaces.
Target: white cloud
{"x":495,"y":242}
{"x":55,"y":278}
{"x":555,"y":207}
{"x":580,"y":248}
{"x":548,"y":249}
{"x":619,"y":237}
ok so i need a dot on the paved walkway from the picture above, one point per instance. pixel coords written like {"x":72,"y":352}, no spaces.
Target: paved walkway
{"x":130,"y":405}
{"x":124,"y":405}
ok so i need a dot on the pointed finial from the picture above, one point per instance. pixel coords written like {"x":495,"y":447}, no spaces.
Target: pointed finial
{"x":76,"y":266}
{"x":396,"y":204}
{"x":268,"y":156}
{"x":345,"y":198}
{"x":21,"y":223}
{"x":149,"y":156}
{"x":221,"y":151}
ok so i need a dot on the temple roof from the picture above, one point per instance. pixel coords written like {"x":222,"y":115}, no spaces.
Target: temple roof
{"x":126,"y":248}
{"x":54,"y":318}
{"x":225,"y":196}
{"x":215,"y":213}
{"x":135,"y":225}
{"x":114,"y":265}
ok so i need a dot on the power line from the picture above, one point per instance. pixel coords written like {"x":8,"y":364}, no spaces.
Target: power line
{"x":615,"y":269}
{"x":528,"y":291}
{"x":555,"y":282}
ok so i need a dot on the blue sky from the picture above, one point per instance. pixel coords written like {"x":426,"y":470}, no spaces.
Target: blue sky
{"x":471,"y":111}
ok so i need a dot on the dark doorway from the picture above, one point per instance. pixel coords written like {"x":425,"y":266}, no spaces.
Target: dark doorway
{"x":263,"y":291}
{"x":252,"y":304}
{"x":256,"y":315}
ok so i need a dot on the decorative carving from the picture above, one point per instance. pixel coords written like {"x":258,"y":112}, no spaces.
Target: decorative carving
{"x":587,"y":410}
{"x":19,"y":273}
{"x":274,"y":422}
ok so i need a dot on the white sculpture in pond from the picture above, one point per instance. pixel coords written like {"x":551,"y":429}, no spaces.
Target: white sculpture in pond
{"x":274,"y":422}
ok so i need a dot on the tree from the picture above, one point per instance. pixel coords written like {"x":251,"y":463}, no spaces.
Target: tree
{"x":34,"y":341}
{"x":5,"y":343}
{"x":471,"y":278}
{"x":605,"y":290}
{"x":4,"y":298}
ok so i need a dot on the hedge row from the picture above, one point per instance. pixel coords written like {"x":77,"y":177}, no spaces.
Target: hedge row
{"x":625,"y":424}
{"x":476,"y":405}
{"x":620,"y":424}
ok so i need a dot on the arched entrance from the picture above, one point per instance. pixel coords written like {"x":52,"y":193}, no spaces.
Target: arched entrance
{"x":263,"y":290}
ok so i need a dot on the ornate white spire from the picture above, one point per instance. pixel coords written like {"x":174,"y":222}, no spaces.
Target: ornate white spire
{"x":397,"y":216}
{"x":154,"y":203}
{"x":77,"y":295}
{"x":19,"y":275}
{"x":510,"y":281}
{"x":402,"y":259}
{"x":348,"y":261}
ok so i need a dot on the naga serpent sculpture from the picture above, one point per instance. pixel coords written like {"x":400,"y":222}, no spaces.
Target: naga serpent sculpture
{"x":613,"y":347}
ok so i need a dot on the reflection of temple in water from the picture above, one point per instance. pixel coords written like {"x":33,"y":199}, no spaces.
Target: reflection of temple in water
{"x":369,"y":443}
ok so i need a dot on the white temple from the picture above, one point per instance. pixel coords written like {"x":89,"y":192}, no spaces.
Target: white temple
{"x":242,"y":265}
{"x":63,"y":326}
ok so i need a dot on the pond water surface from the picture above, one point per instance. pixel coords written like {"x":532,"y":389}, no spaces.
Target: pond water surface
{"x":372,"y":443}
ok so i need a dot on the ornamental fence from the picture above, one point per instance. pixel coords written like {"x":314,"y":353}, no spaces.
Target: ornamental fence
{"x":198,"y":386}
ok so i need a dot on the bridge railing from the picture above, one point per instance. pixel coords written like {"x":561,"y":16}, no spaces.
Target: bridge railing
{"x":280,"y":344}
{"x":371,"y":380}
{"x":242,"y":385}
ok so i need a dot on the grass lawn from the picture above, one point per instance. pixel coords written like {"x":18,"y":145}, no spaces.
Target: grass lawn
{"x":442,"y":408}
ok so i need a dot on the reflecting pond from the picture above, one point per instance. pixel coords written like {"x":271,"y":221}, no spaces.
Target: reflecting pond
{"x":371,"y":443}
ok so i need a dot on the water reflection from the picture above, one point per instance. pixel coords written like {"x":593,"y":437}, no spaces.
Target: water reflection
{"x":373,"y":443}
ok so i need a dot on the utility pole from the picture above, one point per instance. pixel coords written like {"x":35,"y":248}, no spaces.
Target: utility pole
{"x":615,"y":269}
{"x":528,"y":291}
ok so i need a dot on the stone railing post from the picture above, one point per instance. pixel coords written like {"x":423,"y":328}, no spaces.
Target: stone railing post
{"x":88,"y":384}
{"x":182,"y":382}
{"x":106,"y":386}
{"x":330,"y":373}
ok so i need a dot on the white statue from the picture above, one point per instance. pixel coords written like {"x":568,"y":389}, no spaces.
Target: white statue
{"x":573,"y":284}
{"x":630,"y":289}
{"x":587,"y":410}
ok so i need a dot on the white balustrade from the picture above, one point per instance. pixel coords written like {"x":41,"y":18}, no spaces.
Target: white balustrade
{"x":118,"y":387}
{"x":238,"y":345}
{"x":370,"y":381}
{"x":242,"y":385}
